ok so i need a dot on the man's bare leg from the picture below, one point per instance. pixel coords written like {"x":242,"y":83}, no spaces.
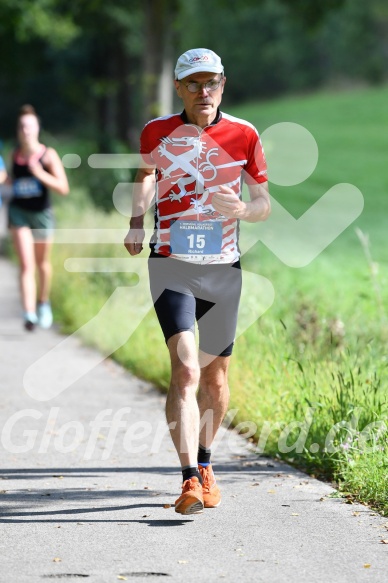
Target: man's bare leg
{"x":213,"y":397}
{"x":182,"y":411}
{"x":183,"y":418}
{"x":213,"y":400}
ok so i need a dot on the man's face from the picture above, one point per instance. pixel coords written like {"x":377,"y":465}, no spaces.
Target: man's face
{"x":204,"y":101}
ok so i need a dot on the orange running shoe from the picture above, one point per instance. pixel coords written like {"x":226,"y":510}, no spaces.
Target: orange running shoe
{"x":210,"y":490}
{"x":191,"y":499}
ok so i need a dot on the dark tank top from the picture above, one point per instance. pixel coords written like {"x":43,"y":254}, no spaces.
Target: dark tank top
{"x":28,"y":192}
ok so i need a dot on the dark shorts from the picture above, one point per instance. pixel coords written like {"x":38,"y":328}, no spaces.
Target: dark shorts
{"x":41,"y":223}
{"x":183,"y":292}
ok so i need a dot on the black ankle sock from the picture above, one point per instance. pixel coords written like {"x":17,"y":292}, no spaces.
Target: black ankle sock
{"x":204,"y":455}
{"x":191,"y":472}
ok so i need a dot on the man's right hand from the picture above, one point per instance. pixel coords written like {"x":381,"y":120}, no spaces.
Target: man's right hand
{"x":133,"y":241}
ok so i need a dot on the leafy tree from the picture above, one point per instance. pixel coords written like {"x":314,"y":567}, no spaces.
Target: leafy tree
{"x":107,"y":67}
{"x":49,"y":20}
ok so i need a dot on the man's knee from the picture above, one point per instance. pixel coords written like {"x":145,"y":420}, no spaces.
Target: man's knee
{"x":185,"y":376}
{"x":216,"y":390}
{"x":214,"y":369}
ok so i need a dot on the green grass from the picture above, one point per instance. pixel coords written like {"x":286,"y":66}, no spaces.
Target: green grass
{"x":321,"y":348}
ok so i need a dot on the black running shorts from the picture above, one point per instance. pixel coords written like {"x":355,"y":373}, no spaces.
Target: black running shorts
{"x":183,"y":292}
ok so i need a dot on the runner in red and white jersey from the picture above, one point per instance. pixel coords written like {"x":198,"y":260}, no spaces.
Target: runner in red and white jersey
{"x":194,"y":166}
{"x":192,"y":162}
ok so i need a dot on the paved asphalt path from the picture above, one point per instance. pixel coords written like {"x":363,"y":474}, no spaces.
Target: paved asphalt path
{"x":76,"y":504}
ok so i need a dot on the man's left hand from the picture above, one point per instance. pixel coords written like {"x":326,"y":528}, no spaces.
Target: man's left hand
{"x":227,"y":202}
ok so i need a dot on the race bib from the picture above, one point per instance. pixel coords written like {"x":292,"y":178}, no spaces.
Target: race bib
{"x":196,"y":240}
{"x":28,"y":187}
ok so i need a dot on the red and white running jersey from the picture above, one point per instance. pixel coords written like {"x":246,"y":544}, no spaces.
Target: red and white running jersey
{"x":191,"y":164}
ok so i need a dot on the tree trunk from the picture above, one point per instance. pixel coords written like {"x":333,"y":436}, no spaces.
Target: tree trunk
{"x":103,"y":78}
{"x":124,"y":101}
{"x":165,"y":84}
{"x":158,"y":62}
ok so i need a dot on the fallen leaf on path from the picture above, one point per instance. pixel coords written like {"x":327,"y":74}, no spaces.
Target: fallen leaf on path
{"x":367,"y":565}
{"x":166,"y":505}
{"x":122,"y":578}
{"x":271,"y":491}
{"x":146,"y":515}
{"x":356,"y":513}
{"x":294,"y":514}
{"x":57,"y":560}
{"x":183,"y":562}
{"x":384,"y":541}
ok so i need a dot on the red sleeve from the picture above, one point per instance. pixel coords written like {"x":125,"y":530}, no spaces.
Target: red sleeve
{"x":256,"y":166}
{"x":146,"y":145}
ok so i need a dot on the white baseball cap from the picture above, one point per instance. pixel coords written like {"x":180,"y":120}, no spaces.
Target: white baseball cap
{"x":197,"y":61}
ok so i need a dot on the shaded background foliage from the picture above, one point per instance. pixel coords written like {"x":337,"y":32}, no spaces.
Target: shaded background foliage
{"x":103,"y":69}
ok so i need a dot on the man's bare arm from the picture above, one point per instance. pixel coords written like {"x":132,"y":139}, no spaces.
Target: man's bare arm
{"x":227,"y":202}
{"x":143,"y":193}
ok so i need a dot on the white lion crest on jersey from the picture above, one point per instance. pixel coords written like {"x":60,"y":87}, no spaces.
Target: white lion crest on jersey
{"x":181,"y":161}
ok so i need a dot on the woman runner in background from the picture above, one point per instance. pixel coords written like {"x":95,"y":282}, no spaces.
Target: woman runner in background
{"x":36,"y":169}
